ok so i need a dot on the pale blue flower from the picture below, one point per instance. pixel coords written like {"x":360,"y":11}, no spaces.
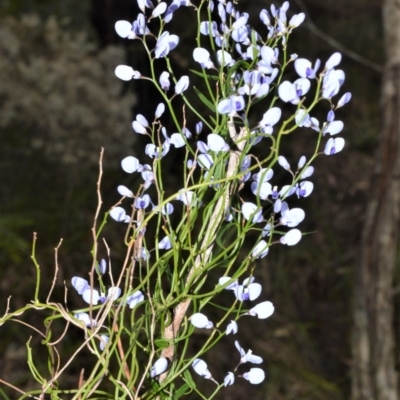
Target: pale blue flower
{"x":252,"y":211}
{"x":165,"y":243}
{"x":199,"y":320}
{"x":124,"y":30}
{"x":143,"y":4}
{"x":85,"y":318}
{"x":126,"y":73}
{"x":304,"y":68}
{"x":333,"y":61}
{"x":247,"y":357}
{"x":291,"y":218}
{"x":90,"y":296}
{"x":229,"y":379}
{"x":260,"y":251}
{"x":160,"y":9}
{"x":297,"y":20}
{"x":131,"y":164}
{"x":202,"y":56}
{"x":165,"y":44}
{"x":182,"y":84}
{"x":331,"y":83}
{"x":291,"y":238}
{"x":270,"y":119}
{"x":102,"y":266}
{"x":262,"y":310}
{"x":254,"y":376}
{"x":217,"y":143}
{"x":201,"y":368}
{"x":232,"y":327}
{"x":124,"y":191}
{"x":164,"y":80}
{"x":79,"y":284}
{"x":134,"y":299}
{"x":160,"y":110}
{"x":119,"y":215}
{"x":104,"y":339}
{"x":224,"y":58}
{"x":159,"y":367}
{"x":333,"y":146}
{"x":283,"y":163}
{"x":344,"y":100}
{"x":142,"y":202}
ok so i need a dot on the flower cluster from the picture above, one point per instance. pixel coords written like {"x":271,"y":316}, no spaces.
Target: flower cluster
{"x":240,"y":66}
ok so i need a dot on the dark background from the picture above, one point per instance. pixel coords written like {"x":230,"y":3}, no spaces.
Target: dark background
{"x":60,"y":102}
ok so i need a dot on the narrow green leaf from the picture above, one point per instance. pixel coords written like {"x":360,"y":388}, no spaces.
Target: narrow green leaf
{"x":204,"y":99}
